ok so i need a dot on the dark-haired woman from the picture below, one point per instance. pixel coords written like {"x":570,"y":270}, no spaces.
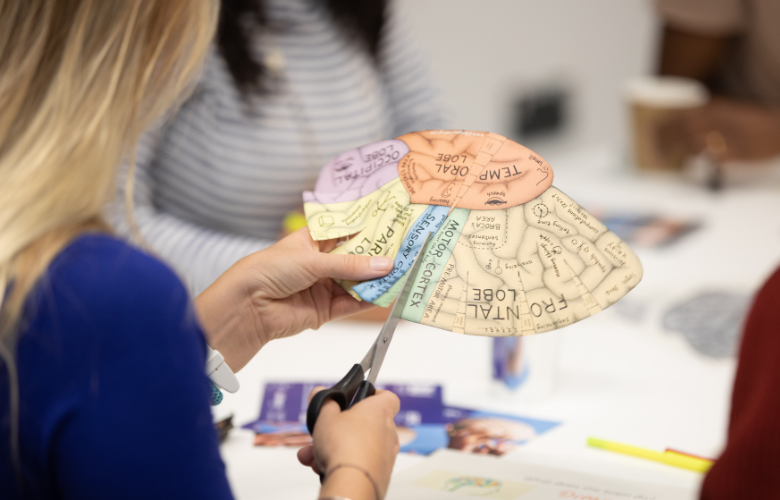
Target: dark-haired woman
{"x":290,"y":84}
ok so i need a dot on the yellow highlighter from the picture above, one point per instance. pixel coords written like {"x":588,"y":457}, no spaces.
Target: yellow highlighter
{"x":667,"y":457}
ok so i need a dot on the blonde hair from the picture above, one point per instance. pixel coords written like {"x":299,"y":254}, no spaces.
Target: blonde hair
{"x":79,"y":81}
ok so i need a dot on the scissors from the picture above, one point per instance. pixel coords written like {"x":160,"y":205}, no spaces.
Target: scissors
{"x":355,"y":387}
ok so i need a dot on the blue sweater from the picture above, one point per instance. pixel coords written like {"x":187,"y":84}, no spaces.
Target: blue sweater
{"x":114,"y":398}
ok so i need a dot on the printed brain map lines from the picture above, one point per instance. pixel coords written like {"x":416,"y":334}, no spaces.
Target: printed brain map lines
{"x":510,"y":254}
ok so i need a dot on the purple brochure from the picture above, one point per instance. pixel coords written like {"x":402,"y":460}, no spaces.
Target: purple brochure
{"x":284,"y":405}
{"x":424,"y":423}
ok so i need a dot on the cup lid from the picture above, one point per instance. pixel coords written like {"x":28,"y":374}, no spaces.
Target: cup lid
{"x":667,"y":92}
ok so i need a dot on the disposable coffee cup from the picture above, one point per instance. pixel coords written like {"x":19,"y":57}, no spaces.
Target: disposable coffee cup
{"x":656,"y":103}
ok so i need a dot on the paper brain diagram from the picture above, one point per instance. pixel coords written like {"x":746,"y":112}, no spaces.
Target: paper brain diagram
{"x":510,"y":254}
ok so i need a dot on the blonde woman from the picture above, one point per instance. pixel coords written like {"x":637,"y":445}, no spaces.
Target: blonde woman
{"x":102,"y":386}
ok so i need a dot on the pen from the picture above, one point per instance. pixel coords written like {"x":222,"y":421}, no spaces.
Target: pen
{"x":667,"y":457}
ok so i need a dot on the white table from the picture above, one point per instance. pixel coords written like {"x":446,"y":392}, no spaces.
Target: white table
{"x":618,"y":379}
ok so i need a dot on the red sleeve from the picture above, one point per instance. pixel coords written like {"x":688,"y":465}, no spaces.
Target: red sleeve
{"x":750,"y":464}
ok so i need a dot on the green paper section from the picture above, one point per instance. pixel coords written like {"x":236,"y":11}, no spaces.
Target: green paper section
{"x":433,"y":264}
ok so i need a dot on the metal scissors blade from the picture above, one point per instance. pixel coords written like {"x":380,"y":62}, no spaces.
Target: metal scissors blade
{"x":376,"y":355}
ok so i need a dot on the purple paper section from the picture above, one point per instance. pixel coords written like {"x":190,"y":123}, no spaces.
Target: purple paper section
{"x":358,"y":172}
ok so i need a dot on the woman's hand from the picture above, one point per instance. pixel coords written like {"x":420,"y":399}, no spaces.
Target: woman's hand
{"x":363,"y":436}
{"x":281,"y":291}
{"x":729,"y":130}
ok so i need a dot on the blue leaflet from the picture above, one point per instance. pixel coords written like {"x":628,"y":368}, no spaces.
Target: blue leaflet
{"x":429,"y":222}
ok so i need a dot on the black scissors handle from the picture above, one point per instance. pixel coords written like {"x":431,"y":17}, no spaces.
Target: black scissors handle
{"x":365,"y":390}
{"x":350,"y":390}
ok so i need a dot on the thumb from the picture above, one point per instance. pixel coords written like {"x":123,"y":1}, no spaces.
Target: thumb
{"x":351,"y":267}
{"x":384,"y":402}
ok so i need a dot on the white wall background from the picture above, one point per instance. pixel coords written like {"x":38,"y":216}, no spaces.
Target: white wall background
{"x":484,"y":52}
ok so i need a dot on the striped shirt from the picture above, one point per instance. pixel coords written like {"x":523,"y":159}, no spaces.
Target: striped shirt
{"x":214,"y":182}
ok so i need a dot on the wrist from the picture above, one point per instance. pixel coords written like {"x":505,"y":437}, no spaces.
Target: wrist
{"x":350,"y":481}
{"x":222,"y":312}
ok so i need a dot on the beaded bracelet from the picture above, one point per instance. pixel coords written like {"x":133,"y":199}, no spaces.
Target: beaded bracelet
{"x":216,"y":394}
{"x":356,"y":467}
